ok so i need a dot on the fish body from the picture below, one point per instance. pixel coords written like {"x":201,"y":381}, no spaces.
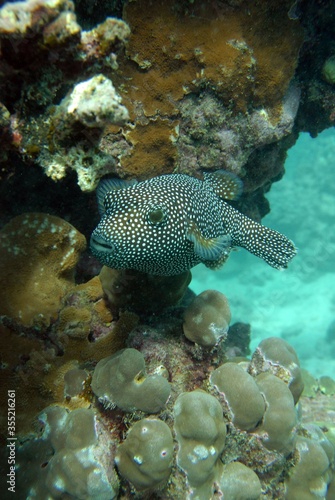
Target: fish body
{"x":169,"y":224}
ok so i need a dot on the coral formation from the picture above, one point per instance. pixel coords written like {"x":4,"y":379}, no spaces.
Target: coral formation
{"x":56,"y":325}
{"x":90,"y":106}
{"x":205,"y":86}
{"x":276,"y":356}
{"x":217,"y":430}
{"x":146,"y":455}
{"x":61,"y":63}
{"x":312,"y":474}
{"x":207,"y":318}
{"x":93,"y":103}
{"x":277,"y":429}
{"x":74,"y":382}
{"x":200,"y":432}
{"x":205,"y":89}
{"x":241,"y":393}
{"x":38,"y":255}
{"x":239,"y":482}
{"x":69,"y":458}
{"x":196,"y":49}
{"x":120,"y":380}
{"x":207,"y":124}
{"x":142,"y":293}
{"x":327,"y":385}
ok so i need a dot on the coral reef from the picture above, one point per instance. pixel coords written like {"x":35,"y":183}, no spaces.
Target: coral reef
{"x":197,"y":47}
{"x":48,"y":61}
{"x":55,"y":325}
{"x":228,"y":415}
{"x":208,"y":425}
{"x":126,"y":385}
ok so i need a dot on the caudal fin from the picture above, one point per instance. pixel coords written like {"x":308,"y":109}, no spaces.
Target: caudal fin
{"x":270,"y":245}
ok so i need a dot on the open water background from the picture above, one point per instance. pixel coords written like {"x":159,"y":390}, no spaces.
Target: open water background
{"x":297,"y":304}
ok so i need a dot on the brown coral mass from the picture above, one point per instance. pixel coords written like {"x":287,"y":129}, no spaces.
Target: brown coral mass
{"x":245,"y":52}
{"x":38,"y":255}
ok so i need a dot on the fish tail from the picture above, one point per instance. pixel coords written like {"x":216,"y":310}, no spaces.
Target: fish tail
{"x":270,"y":245}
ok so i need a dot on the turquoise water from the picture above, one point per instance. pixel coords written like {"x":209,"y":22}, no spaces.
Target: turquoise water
{"x":297,"y":304}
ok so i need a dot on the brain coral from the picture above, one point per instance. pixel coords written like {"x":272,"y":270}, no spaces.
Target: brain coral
{"x":38,"y":255}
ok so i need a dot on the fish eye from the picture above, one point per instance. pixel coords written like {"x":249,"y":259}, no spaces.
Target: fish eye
{"x":156,"y":216}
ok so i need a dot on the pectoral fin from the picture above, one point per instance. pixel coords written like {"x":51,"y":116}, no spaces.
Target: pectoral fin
{"x":208,"y":249}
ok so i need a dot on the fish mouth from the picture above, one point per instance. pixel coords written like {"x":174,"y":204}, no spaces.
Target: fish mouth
{"x":99,"y":244}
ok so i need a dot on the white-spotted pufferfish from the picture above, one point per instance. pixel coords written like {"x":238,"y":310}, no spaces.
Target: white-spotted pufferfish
{"x":169,"y":224}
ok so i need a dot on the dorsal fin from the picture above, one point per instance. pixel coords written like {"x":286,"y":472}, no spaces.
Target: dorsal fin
{"x":106,"y":186}
{"x":225,"y":184}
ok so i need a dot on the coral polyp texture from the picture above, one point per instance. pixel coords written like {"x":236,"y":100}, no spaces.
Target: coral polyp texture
{"x":182,"y":50}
